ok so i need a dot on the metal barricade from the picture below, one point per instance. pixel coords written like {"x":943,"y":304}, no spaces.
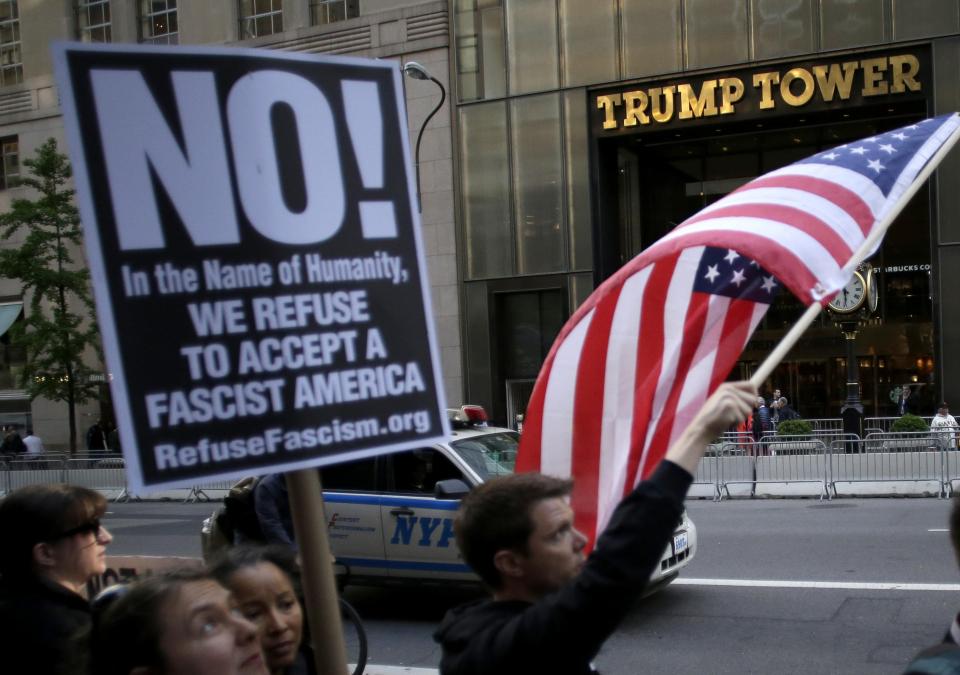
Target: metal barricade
{"x":884,"y":424}
{"x":889,"y":458}
{"x":793,"y":459}
{"x":43,"y":469}
{"x":708,"y":471}
{"x":106,"y":474}
{"x":827,"y":424}
{"x":735,"y":466}
{"x":198,"y":492}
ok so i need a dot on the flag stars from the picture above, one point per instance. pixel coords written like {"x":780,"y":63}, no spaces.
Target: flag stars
{"x":731,"y":256}
{"x":859,"y":150}
{"x":711,"y":274}
{"x":876,"y":165}
{"x":830,"y":155}
{"x":769,"y":283}
{"x":738,"y":278}
{"x":754,"y":263}
{"x":887,"y":148}
{"x":900,"y":136}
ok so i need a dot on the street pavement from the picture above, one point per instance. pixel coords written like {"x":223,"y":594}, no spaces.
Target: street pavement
{"x":848,"y":586}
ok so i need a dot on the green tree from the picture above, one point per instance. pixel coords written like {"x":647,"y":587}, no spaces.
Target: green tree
{"x":53,"y":336}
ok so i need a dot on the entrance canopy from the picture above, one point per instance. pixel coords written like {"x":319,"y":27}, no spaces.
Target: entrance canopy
{"x":9,"y":311}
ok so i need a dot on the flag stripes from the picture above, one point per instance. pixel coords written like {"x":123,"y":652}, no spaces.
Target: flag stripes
{"x":634,"y":364}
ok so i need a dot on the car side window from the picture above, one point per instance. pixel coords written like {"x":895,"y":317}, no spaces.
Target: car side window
{"x":417,"y":471}
{"x":356,"y":476}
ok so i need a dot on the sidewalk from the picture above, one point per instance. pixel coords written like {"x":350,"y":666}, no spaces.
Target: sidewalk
{"x":398,"y":670}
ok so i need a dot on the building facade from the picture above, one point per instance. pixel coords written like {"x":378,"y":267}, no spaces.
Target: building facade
{"x":402,"y":30}
{"x":586,"y":131}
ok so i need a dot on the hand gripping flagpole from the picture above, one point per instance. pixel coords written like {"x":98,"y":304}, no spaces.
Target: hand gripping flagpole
{"x":799,"y":328}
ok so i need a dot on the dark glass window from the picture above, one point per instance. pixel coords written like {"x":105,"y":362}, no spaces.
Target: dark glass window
{"x":356,"y":476}
{"x":417,"y":471}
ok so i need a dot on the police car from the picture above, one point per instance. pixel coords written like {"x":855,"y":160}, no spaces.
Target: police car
{"x":390,"y":518}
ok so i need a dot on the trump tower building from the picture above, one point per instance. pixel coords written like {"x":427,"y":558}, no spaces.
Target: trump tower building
{"x":586,"y":131}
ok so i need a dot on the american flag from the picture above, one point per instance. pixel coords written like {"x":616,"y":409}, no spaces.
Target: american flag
{"x":637,"y":360}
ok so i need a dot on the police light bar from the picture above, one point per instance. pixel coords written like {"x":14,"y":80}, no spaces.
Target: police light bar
{"x":468,"y":416}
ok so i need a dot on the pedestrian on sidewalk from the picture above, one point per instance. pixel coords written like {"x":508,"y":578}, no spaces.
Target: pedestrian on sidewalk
{"x":33,"y":443}
{"x":945,"y":427}
{"x":553,"y":607}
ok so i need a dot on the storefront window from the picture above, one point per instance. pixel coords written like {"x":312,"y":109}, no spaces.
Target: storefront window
{"x":783,"y":27}
{"x":650,"y":37}
{"x":717,"y":32}
{"x":851,"y":23}
{"x":532,"y":45}
{"x":578,"y":179}
{"x":527,"y":325}
{"x":939,"y":17}
{"x":478,"y":35}
{"x":588,"y":30}
{"x":485,"y":177}
{"x":538,"y":178}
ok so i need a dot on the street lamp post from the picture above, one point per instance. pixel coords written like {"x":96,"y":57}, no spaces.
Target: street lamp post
{"x":418,"y":72}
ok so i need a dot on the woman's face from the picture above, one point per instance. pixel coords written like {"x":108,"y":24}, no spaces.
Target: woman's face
{"x":81,"y":554}
{"x":202,"y":634}
{"x":265,"y":596}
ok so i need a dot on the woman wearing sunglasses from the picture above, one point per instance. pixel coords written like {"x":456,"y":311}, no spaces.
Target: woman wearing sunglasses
{"x":53,"y":544}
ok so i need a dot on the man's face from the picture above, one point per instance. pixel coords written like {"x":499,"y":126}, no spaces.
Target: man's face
{"x":776,"y":394}
{"x":555,"y":548}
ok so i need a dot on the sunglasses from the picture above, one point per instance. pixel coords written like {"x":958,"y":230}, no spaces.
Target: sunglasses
{"x":92,"y":527}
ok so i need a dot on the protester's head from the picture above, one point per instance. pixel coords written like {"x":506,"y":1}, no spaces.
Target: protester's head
{"x":53,"y":531}
{"x":760,"y":402}
{"x":518,"y":531}
{"x":263,"y":581}
{"x":944,"y":409}
{"x":776,"y":394}
{"x":179,"y":623}
{"x":783,"y":402}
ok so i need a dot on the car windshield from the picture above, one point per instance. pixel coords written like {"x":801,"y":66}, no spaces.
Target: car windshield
{"x":490,"y":454}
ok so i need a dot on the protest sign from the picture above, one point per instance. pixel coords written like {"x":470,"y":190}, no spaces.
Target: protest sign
{"x":254,"y":246}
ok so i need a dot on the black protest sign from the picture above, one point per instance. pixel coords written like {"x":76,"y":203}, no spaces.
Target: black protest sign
{"x":252,"y":235}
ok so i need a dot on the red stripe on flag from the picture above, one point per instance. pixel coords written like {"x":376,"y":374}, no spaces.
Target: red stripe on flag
{"x":693,"y":327}
{"x":649,"y":361}
{"x":801,"y":220}
{"x":733,"y":338}
{"x":846,"y":199}
{"x":588,"y":416}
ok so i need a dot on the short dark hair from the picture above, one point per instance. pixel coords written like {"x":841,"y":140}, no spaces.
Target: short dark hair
{"x":127,"y":633}
{"x":237,"y":558}
{"x":496,"y":516}
{"x":37,"y":513}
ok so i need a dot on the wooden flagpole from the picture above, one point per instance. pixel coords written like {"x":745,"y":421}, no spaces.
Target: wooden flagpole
{"x":316,"y":564}
{"x":799,"y":328}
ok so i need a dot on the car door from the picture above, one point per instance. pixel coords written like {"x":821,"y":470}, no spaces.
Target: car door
{"x":418,"y":527}
{"x":352,"y":517}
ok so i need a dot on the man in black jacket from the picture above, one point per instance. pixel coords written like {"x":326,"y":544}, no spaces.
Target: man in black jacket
{"x":552,"y":608}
